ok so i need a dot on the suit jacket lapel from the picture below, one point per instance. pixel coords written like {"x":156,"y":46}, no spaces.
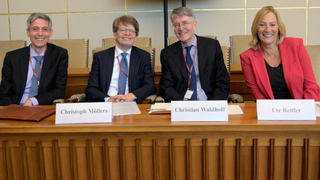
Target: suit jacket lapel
{"x":202,"y":56}
{"x":24,"y":66}
{"x":134,"y":63}
{"x":109,"y":60}
{"x":179,"y":60}
{"x":261,"y":69}
{"x":47,"y":60}
{"x":286,"y":64}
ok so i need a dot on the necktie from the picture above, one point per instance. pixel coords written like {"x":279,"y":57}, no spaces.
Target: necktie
{"x":193,"y":83}
{"x":34,"y":83}
{"x":122,"y":77}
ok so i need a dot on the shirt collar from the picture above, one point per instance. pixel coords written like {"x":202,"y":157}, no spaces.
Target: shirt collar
{"x":33,"y":53}
{"x":194,"y":42}
{"x":118,"y":51}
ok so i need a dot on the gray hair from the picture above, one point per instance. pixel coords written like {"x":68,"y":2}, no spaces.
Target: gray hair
{"x":35,"y":16}
{"x":182,"y":11}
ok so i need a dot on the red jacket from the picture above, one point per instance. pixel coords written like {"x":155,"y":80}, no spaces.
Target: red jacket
{"x":297,"y":70}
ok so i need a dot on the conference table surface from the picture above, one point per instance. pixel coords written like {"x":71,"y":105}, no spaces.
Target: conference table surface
{"x":145,"y":122}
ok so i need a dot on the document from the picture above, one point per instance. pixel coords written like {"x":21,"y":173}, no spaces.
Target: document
{"x":234,"y":109}
{"x":160,"y":108}
{"x":125,"y":108}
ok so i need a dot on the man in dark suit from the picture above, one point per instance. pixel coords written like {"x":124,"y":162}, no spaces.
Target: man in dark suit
{"x":192,"y":68}
{"x":37,"y":74}
{"x":121,"y":73}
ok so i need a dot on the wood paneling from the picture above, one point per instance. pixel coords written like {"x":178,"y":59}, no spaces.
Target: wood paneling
{"x":152,"y":147}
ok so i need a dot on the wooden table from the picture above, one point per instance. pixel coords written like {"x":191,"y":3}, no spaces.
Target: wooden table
{"x":77,"y":81}
{"x":238,"y":84}
{"x":152,"y":147}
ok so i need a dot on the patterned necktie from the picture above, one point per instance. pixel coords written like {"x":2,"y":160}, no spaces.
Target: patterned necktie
{"x":122,"y":77}
{"x":34,"y":83}
{"x":193,"y":83}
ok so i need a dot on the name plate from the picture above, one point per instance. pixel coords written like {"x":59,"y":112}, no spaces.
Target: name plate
{"x":67,"y":113}
{"x":302,"y":109}
{"x":199,"y":111}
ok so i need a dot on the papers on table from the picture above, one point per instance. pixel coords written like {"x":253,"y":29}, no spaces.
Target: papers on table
{"x":125,"y":108}
{"x":160,"y":108}
{"x":234,"y":109}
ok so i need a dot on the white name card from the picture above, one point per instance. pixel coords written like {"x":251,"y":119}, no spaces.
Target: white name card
{"x":67,"y":113}
{"x":302,"y":109}
{"x":199,"y":111}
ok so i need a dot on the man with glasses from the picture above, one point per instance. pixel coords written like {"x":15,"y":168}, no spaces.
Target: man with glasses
{"x":121,"y":73}
{"x":192,"y":68}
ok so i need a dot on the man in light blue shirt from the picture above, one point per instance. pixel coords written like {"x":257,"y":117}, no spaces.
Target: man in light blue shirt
{"x":37,"y":74}
{"x":192,"y":68}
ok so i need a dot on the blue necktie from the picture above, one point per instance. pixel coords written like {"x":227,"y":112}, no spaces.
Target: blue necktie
{"x":34,"y":83}
{"x":122,"y":77}
{"x":193,"y":83}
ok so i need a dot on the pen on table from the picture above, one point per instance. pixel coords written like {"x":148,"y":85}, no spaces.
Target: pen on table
{"x":156,"y":109}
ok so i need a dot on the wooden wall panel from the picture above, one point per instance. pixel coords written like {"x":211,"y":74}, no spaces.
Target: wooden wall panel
{"x":279,"y":162}
{"x":198,"y":157}
{"x":213,"y":162}
{"x":114,"y":162}
{"x":230,"y":162}
{"x":196,"y":166}
{"x":131,"y":163}
{"x":314,"y":163}
{"x":180,"y":171}
{"x":147,"y":162}
{"x":16,"y":162}
{"x":98,"y":162}
{"x":3,"y":169}
{"x":296,"y":163}
{"x":65,"y":162}
{"x":49,"y":163}
{"x":164,"y":164}
{"x":263,"y":163}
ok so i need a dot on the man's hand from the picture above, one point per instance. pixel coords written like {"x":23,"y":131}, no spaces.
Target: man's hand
{"x":111,"y":100}
{"x":28,"y":103}
{"x":125,"y":98}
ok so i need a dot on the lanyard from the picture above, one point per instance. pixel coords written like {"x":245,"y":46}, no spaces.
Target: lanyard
{"x":34,"y":72}
{"x":122,"y":68}
{"x":185,"y":60}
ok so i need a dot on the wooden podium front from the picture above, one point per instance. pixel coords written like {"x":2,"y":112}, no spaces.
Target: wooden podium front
{"x":145,"y":147}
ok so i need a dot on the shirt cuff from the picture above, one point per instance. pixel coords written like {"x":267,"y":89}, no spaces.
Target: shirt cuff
{"x":34,"y":101}
{"x":106,"y":99}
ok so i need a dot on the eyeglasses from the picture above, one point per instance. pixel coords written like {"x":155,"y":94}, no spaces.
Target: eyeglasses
{"x":184,"y":24}
{"x":124,"y":30}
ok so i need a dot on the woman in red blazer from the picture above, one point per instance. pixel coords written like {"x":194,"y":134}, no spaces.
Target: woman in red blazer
{"x":277,"y":67}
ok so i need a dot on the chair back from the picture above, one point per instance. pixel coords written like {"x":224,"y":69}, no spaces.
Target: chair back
{"x":6,"y":46}
{"x":314,"y":53}
{"x":148,"y":49}
{"x":78,"y":50}
{"x":173,"y":39}
{"x":238,"y":44}
{"x":225,"y":51}
{"x":140,"y":42}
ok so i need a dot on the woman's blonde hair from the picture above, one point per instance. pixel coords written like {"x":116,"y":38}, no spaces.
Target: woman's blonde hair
{"x":255,"y":43}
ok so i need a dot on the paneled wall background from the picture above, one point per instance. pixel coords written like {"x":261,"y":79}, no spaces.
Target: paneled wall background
{"x":73,"y":19}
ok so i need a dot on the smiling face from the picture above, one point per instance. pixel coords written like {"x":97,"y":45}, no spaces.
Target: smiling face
{"x":125,"y":36}
{"x":185,"y":29}
{"x":268,"y":30}
{"x":39,"y":34}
